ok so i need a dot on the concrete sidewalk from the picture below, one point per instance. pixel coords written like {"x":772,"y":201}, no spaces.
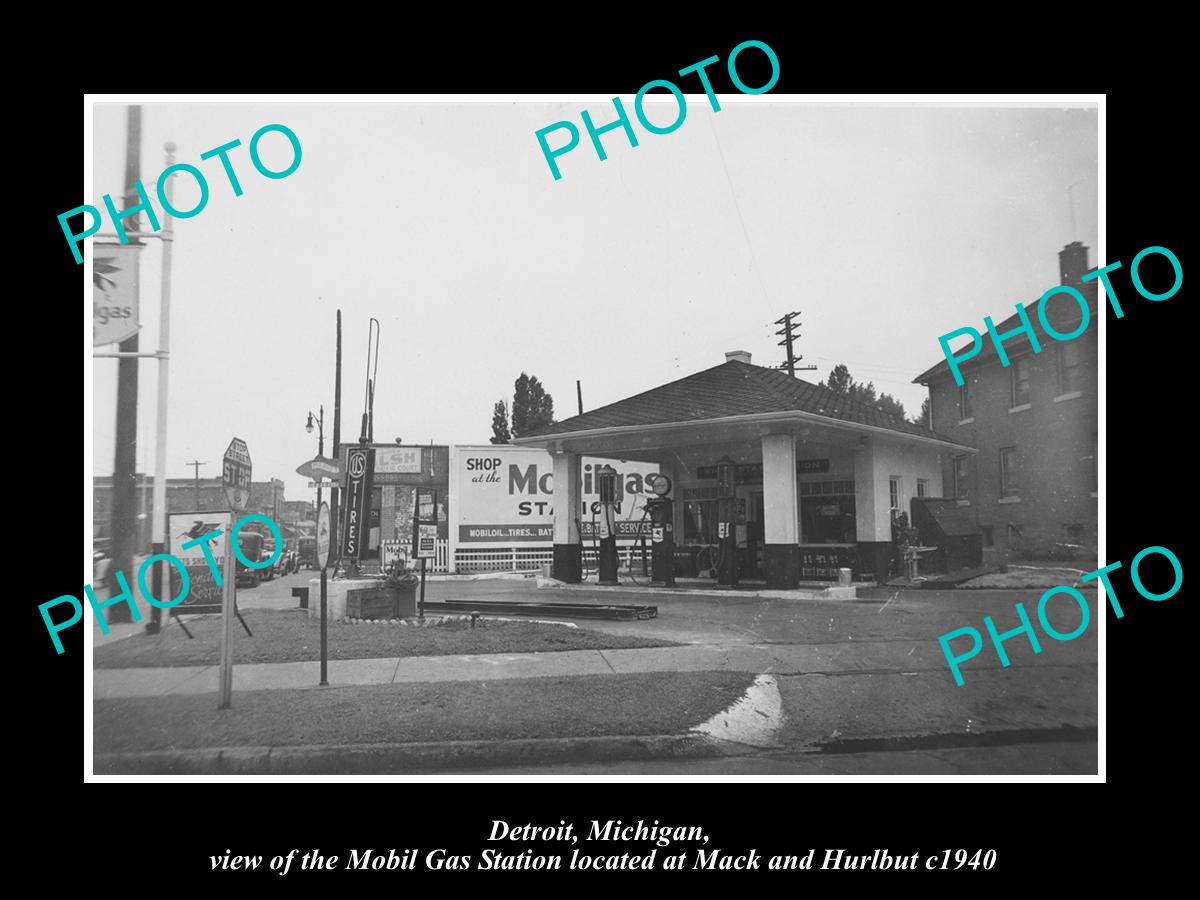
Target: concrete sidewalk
{"x":858,"y":658}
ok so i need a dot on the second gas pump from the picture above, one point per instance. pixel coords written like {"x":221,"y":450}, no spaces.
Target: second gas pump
{"x":608,"y":485}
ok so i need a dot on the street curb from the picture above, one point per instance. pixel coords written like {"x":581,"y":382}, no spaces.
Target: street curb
{"x":364,"y":759}
{"x":833,"y":592}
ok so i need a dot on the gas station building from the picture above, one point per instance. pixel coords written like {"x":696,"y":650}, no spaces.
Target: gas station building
{"x":773,"y":479}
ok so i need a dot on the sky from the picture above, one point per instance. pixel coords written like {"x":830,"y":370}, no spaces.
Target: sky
{"x":884,"y":225}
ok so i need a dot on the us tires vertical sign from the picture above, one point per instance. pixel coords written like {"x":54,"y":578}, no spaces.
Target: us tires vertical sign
{"x":360,"y":466}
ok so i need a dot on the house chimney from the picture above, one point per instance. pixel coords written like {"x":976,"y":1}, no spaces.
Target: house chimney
{"x":742,"y":356}
{"x":1072,"y":263}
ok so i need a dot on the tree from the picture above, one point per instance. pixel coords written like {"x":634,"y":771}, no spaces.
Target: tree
{"x":890,"y":406}
{"x":520,"y":406}
{"x":532,"y":407}
{"x":841,"y":382}
{"x":541,"y":406}
{"x":864,"y":393}
{"x":923,"y":418}
{"x":500,"y":434}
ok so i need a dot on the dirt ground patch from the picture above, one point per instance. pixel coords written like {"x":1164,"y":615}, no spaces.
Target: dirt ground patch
{"x":1018,"y":577}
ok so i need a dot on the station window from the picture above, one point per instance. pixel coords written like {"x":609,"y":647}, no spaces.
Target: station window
{"x":1020,"y":381}
{"x":1009,"y":466}
{"x":922,"y":487}
{"x":700,"y":522}
{"x":828,"y":519}
{"x":894,"y":495}
{"x":964,"y":402}
{"x":989,"y":535}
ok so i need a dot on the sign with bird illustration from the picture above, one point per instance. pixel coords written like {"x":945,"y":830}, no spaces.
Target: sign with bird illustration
{"x":114,"y":293}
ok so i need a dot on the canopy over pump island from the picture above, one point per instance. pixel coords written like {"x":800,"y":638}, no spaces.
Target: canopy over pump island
{"x":769,"y":477}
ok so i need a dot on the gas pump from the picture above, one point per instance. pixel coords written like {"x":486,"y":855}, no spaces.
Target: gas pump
{"x":608,"y":485}
{"x":727,"y":569}
{"x":662,"y":525}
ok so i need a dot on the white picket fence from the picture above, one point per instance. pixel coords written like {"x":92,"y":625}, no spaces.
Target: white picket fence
{"x":524,"y":559}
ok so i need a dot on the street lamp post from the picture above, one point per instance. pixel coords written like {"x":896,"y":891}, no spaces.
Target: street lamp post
{"x":324,"y":592}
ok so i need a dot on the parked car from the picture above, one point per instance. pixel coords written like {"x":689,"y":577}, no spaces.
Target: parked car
{"x":251,"y":545}
{"x":267,"y":573}
{"x":101,"y":564}
{"x":308,"y":552}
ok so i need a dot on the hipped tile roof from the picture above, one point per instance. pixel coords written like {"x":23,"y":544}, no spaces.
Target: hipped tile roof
{"x":733,"y":388}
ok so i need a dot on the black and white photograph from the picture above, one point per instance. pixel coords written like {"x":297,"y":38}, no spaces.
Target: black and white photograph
{"x":702,"y":432}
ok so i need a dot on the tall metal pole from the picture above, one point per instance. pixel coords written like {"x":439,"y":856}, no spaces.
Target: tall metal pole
{"x":125,"y":458}
{"x":334,"y":513}
{"x":324,"y":573}
{"x":158,"y":529}
{"x":228,"y":606}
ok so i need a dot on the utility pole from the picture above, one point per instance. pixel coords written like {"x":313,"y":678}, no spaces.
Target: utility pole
{"x":125,"y":460}
{"x":334,"y":512}
{"x":159,"y":538}
{"x":196,"y":464}
{"x":788,"y":340}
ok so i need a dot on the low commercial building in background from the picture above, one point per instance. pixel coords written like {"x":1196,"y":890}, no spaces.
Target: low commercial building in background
{"x":191,"y":495}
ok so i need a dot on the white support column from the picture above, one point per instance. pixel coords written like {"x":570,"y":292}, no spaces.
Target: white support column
{"x":872,"y":520}
{"x":568,"y":564}
{"x":780,"y":510}
{"x":866,"y":487}
{"x":567,"y":489}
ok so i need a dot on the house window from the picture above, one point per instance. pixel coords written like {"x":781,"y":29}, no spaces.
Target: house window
{"x":922,"y":486}
{"x":1069,"y":368}
{"x":1009,"y":464}
{"x":960,"y":477}
{"x":1020,"y":381}
{"x":894,"y":495}
{"x":964,"y":402}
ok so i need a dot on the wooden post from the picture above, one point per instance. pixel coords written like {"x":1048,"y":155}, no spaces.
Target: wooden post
{"x":225,"y":691}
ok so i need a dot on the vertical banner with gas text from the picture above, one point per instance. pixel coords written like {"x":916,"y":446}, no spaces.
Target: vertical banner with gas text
{"x":114,"y":293}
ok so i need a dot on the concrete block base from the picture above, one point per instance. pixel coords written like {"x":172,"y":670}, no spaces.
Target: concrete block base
{"x":337,"y":589}
{"x":782,"y":564}
{"x":568,"y":563}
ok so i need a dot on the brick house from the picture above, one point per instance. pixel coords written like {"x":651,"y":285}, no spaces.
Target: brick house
{"x":1033,"y":487}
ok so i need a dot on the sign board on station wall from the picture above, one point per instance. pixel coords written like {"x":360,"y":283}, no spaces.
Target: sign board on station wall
{"x":504,"y":495}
